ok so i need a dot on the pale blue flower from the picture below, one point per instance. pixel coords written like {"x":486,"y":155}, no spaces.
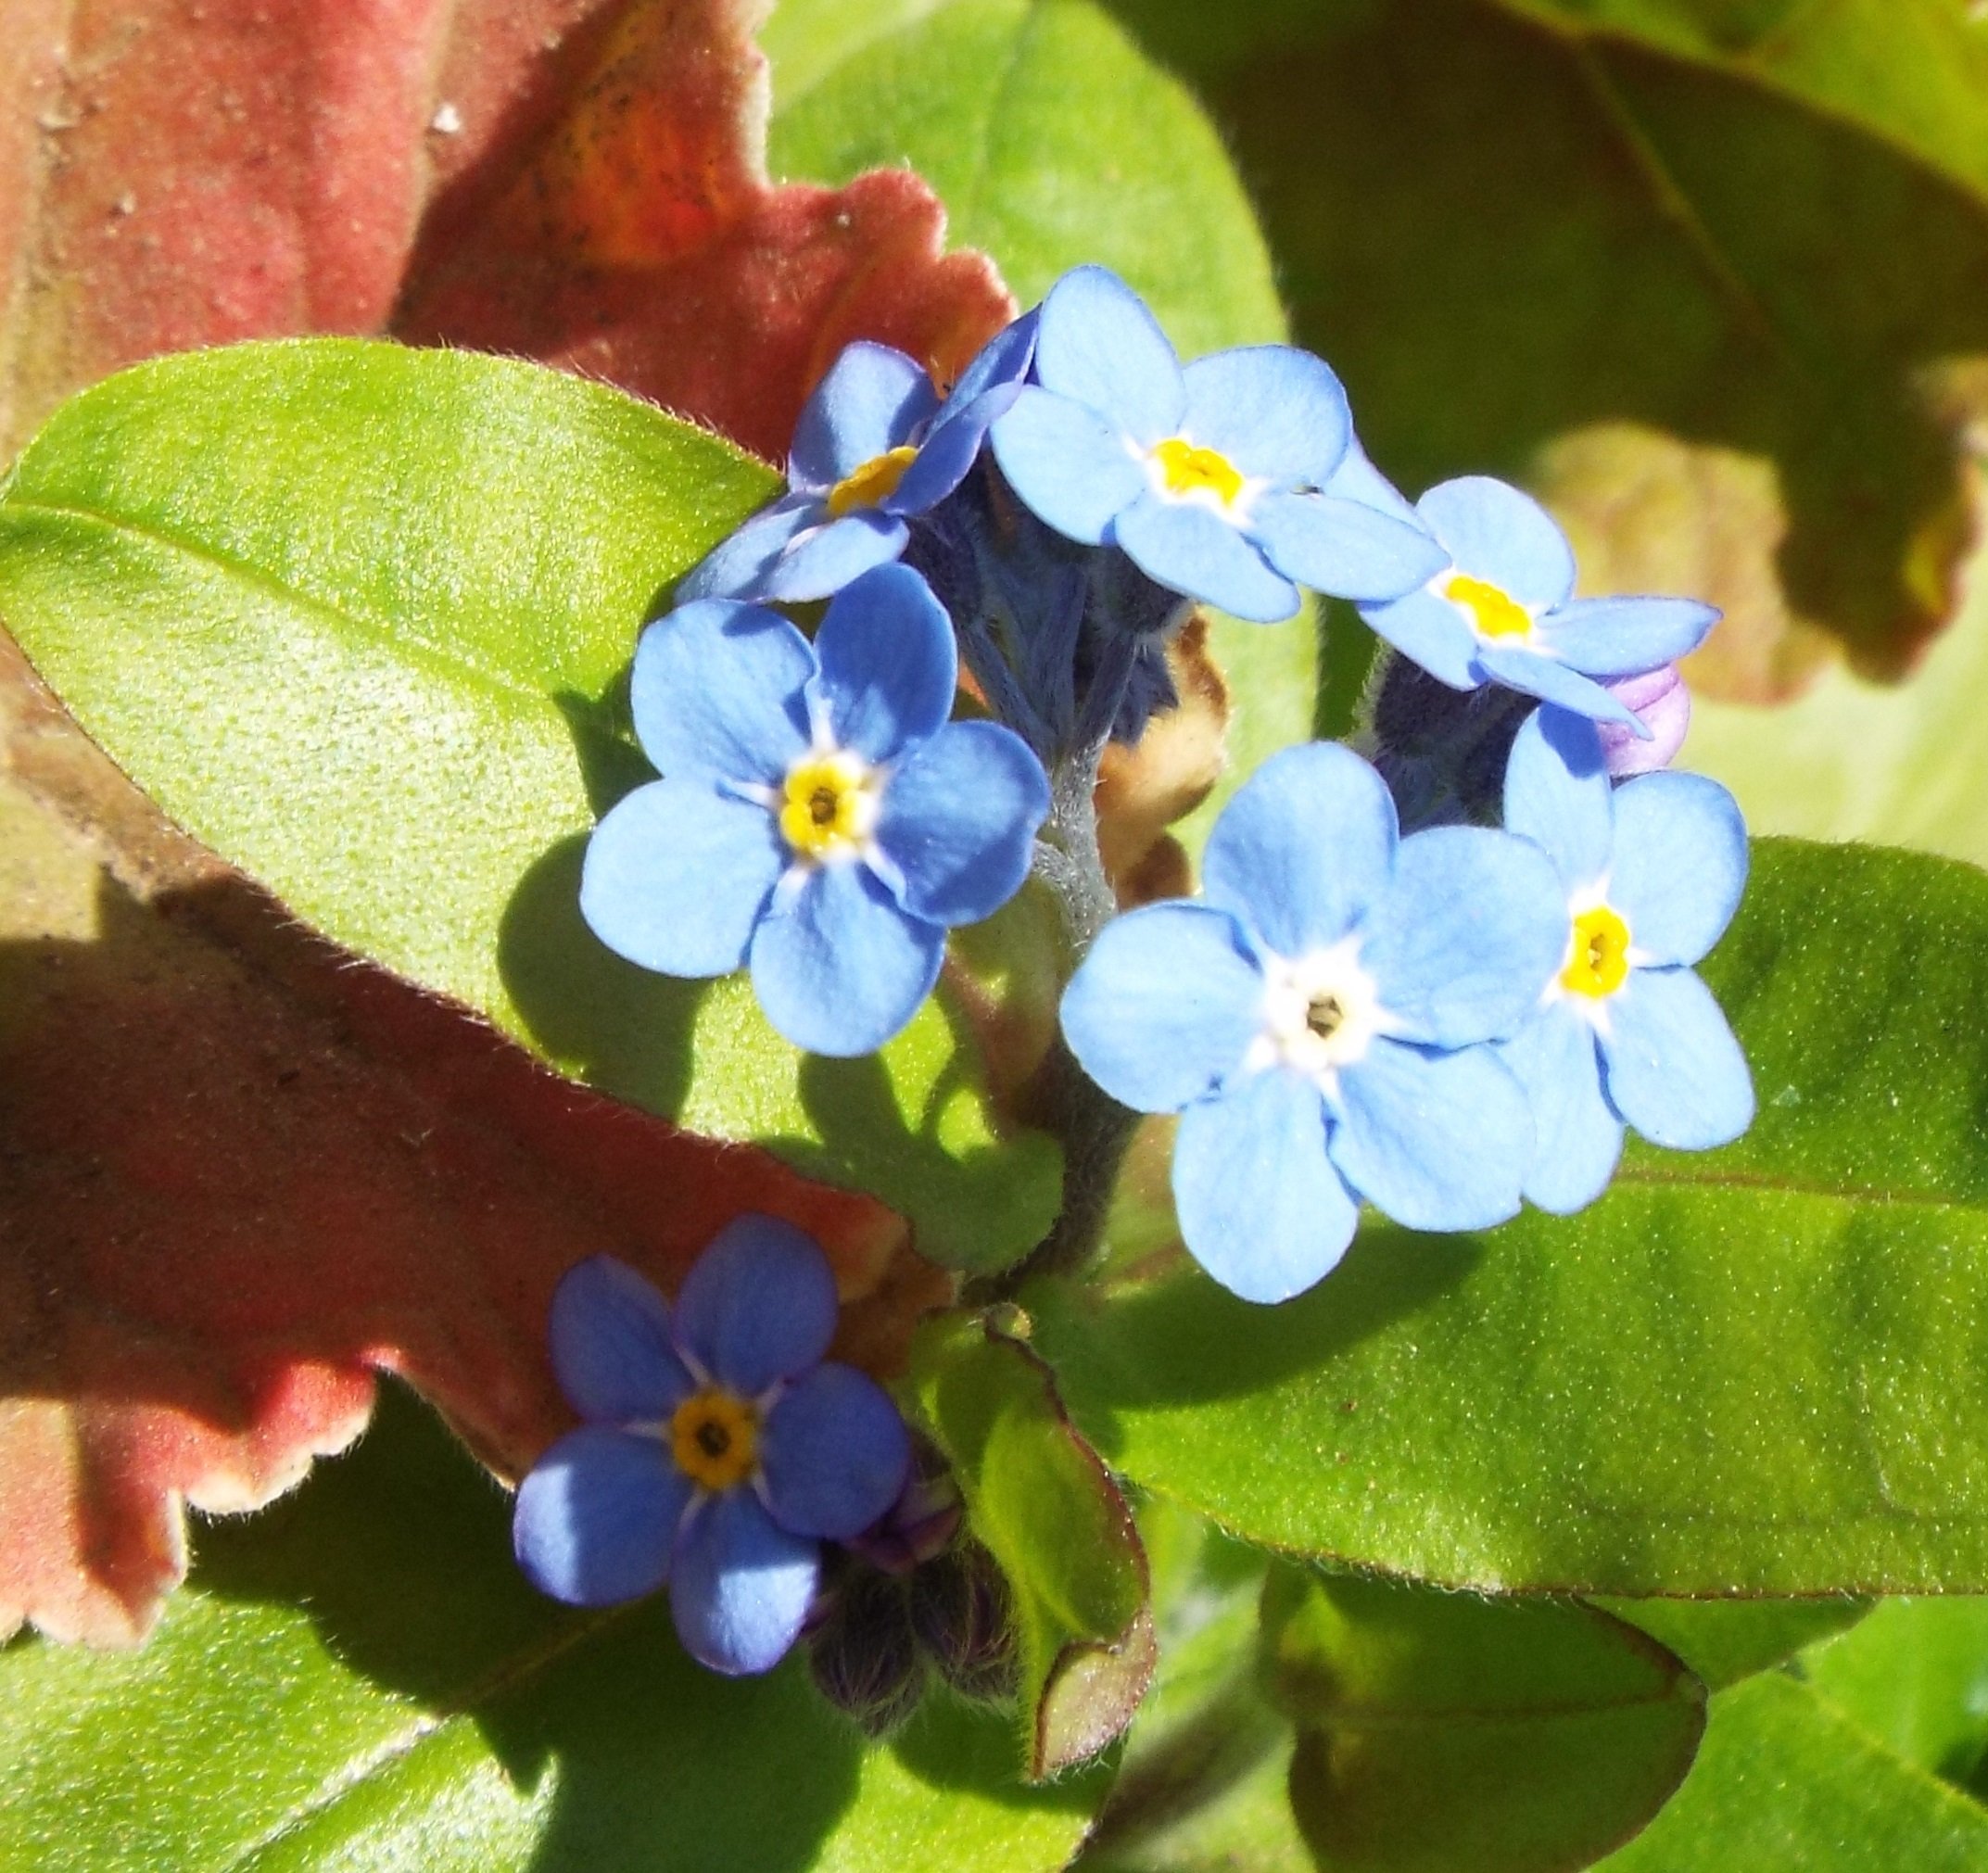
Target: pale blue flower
{"x":1650,"y":873}
{"x":1233,"y":481}
{"x":1499,"y":608}
{"x":1316,"y":1020}
{"x":820,"y":819}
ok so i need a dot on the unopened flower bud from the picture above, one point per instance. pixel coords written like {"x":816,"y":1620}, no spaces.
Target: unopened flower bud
{"x":959,"y":1609}
{"x":1664,"y":704}
{"x":862,"y":1654}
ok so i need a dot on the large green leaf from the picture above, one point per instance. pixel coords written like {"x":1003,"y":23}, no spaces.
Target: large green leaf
{"x":1051,"y":1515}
{"x":1439,"y":1730}
{"x":358,"y":617}
{"x":1760,"y":1371}
{"x":1052,"y":141}
{"x":361,"y":1679}
{"x":1916,"y":1675}
{"x":1697,"y":274}
{"x":1784,"y":1784}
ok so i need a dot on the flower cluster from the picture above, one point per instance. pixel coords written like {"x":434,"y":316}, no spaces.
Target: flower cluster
{"x":1440,"y":972}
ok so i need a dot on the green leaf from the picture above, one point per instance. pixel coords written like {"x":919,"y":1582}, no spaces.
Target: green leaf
{"x":358,"y":617}
{"x":1441,"y":1730}
{"x":1696,"y":270}
{"x":1725,"y":1640}
{"x":1053,"y":141}
{"x":1915,"y":1675}
{"x":1762,"y":1371}
{"x":1784,"y":1784}
{"x":359,"y":1678}
{"x":1049,"y":1512}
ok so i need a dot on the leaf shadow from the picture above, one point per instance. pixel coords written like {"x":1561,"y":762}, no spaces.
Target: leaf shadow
{"x":621,"y":1028}
{"x":631,"y":1756}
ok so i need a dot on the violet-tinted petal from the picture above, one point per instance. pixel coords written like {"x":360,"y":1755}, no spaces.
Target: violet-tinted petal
{"x":741,"y":1585}
{"x":758,"y":1305}
{"x":612,"y":1345}
{"x":597,"y":1516}
{"x":834,"y":1451}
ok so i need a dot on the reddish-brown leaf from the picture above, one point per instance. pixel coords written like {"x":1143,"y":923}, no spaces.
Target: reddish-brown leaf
{"x":636,"y":238}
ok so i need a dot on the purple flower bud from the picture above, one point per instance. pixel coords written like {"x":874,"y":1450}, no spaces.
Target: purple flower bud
{"x":919,"y":1524}
{"x":1663,"y":702}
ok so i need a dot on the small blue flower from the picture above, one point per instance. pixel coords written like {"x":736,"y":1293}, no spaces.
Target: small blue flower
{"x":1315,"y":1021}
{"x":1221,"y":481}
{"x":720,"y":1449}
{"x":1650,"y":873}
{"x":1501,"y":608}
{"x":874,"y":447}
{"x":818,"y":817}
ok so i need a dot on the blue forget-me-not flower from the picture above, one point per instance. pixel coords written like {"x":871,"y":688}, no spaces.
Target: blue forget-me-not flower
{"x":1221,"y":481}
{"x":1498,"y":608}
{"x":818,"y":817}
{"x":1315,"y":1021}
{"x":720,"y":1449}
{"x":1650,"y":873}
{"x":874,"y":447}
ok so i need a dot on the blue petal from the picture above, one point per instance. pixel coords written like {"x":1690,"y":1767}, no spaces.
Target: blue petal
{"x":1261,"y":1207}
{"x":1183,"y":545}
{"x":1002,"y":362}
{"x":1274,"y":411}
{"x":1557,"y":793}
{"x":677,"y":876}
{"x":717,"y":692}
{"x":741,"y":1587}
{"x":1673,"y":1069}
{"x":1429,"y":631}
{"x":1499,"y":534}
{"x":739,"y":566}
{"x":1471,"y":932}
{"x":1165,"y":1006}
{"x":822,"y":564}
{"x":597,"y":1517}
{"x":1577,"y":1138}
{"x":758,"y":1305}
{"x":1624,"y":637}
{"x":1068,"y":465}
{"x":1304,"y":847}
{"x":1356,"y":478}
{"x":889,"y":670}
{"x":1434,"y":1140}
{"x":960,"y":821}
{"x":870,"y":402}
{"x":835,"y":1454}
{"x":947,"y":454}
{"x":838,"y":966}
{"x":1681,"y":864}
{"x":611,"y":1346}
{"x":1098,"y":346}
{"x":1344,"y":547}
{"x":1532,"y":675}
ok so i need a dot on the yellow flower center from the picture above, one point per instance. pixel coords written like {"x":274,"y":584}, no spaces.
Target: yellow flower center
{"x":828,"y":805}
{"x":1597,"y":959}
{"x":1494,"y":613}
{"x":715,"y":1438}
{"x":1186,"y":470}
{"x":876,"y":480}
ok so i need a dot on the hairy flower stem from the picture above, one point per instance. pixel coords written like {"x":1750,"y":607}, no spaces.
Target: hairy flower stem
{"x":1093,"y":1128}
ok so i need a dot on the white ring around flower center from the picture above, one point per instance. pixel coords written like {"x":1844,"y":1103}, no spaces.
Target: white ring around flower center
{"x":1227,"y":492}
{"x":1321,"y":1011}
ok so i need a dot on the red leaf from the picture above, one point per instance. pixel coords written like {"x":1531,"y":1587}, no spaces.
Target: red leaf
{"x":636,"y":239}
